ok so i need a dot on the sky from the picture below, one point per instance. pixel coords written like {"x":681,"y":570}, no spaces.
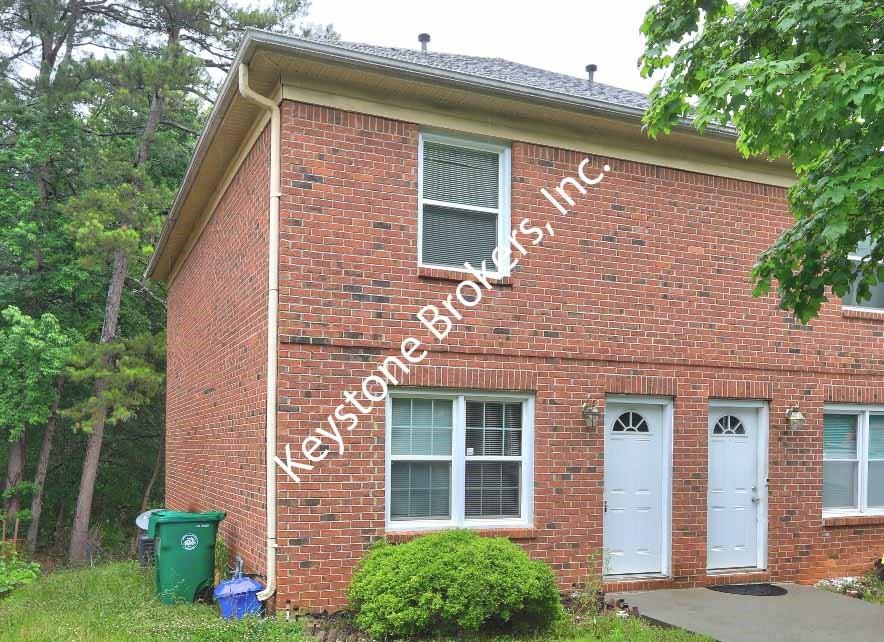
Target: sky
{"x":558,"y":35}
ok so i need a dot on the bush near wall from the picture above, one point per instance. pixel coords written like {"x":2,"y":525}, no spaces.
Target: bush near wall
{"x":451,"y":582}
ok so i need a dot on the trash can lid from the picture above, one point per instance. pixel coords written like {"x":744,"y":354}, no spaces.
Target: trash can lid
{"x":142,"y":520}
{"x":237,"y":586}
{"x":168,"y":516}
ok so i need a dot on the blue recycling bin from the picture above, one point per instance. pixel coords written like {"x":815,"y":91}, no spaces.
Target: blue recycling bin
{"x":238,"y":597}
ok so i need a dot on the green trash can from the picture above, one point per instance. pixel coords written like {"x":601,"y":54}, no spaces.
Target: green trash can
{"x":185,"y":553}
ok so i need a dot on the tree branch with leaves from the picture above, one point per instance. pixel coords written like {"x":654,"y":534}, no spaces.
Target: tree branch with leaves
{"x":802,"y":79}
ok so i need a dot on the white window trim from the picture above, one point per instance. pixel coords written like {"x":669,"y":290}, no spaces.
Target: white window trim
{"x":502,"y":211}
{"x":856,"y":258}
{"x":863,"y":412}
{"x":458,"y":461}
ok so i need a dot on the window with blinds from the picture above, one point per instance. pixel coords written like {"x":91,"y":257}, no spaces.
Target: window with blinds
{"x":420,"y":467}
{"x":876,"y":462}
{"x":853,"y":461}
{"x":493,"y":430}
{"x":459,"y":460}
{"x":463,"y":201}
{"x":840,"y":463}
{"x":876,"y":300}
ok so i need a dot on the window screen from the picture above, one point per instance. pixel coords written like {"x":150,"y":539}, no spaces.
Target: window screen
{"x":840,"y":462}
{"x":420,"y":490}
{"x":452,"y":237}
{"x":420,"y":428}
{"x":460,"y":204}
{"x":876,"y":461}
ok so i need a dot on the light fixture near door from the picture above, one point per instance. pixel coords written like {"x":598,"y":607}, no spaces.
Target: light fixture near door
{"x":795,"y":418}
{"x":591,"y":413}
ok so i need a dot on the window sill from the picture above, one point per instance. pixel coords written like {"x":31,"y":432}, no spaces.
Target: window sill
{"x":831,"y":521}
{"x":510,"y":532}
{"x":443,"y":274}
{"x":872,"y":314}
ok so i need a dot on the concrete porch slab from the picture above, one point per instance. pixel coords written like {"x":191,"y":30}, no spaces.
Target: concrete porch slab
{"x":804,"y":614}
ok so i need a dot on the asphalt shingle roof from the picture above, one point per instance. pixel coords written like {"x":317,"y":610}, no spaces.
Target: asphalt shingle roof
{"x":505,"y":71}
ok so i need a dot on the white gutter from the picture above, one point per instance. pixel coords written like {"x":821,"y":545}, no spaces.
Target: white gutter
{"x":272,"y":319}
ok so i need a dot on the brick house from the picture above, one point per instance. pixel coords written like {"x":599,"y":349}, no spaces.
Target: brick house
{"x":618,"y":389}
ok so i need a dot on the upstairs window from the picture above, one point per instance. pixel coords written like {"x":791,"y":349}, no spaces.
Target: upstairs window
{"x":464,"y":202}
{"x":876,"y":302}
{"x":853,"y":461}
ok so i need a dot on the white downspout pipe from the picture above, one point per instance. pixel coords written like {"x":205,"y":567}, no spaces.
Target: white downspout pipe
{"x":272,"y":319}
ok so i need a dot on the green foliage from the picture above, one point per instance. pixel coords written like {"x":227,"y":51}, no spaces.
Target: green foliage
{"x":32,"y":354}
{"x":449,"y":582}
{"x":100,"y":106}
{"x":588,"y":599}
{"x":15,"y":571}
{"x":132,"y":372}
{"x":222,"y":558}
{"x":797,"y":78}
{"x":116,"y":603}
{"x":869,"y":587}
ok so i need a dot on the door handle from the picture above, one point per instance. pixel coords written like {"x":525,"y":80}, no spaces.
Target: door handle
{"x":606,"y":505}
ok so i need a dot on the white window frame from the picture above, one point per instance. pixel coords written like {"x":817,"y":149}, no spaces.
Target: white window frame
{"x":856,"y":258}
{"x":502,"y":210}
{"x":458,"y":460}
{"x":862,"y":412}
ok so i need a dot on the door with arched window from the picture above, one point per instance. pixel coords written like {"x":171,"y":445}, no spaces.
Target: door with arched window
{"x":737,"y":486}
{"x":636,"y":487}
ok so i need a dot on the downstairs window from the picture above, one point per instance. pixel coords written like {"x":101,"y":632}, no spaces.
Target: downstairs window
{"x":853,"y":461}
{"x":459,"y":460}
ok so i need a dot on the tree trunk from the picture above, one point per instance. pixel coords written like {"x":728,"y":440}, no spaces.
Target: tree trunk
{"x":15,"y":468}
{"x":59,"y":528}
{"x":40,"y":476}
{"x":80,"y":530}
{"x":145,"y":499}
{"x":157,"y":106}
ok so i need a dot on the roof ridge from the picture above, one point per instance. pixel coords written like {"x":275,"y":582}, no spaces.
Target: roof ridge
{"x":426,"y":58}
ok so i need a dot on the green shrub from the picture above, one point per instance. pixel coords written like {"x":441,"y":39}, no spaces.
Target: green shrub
{"x":450,"y":582}
{"x":15,"y":571}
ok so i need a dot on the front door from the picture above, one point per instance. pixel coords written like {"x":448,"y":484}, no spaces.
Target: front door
{"x":734,"y":493}
{"x":634,"y":488}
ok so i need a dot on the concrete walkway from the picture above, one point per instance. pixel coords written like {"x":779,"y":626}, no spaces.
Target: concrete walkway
{"x":804,"y":614}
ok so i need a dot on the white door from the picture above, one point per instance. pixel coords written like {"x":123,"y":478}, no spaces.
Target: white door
{"x":634,"y":488}
{"x":734,"y":493}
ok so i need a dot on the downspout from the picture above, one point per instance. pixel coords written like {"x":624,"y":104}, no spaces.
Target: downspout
{"x":272,"y":319}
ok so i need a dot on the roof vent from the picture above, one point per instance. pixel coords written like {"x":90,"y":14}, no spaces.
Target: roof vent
{"x":424,"y":38}
{"x":590,"y":70}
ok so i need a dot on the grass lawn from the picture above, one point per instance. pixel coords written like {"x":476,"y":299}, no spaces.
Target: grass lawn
{"x":115,"y":603}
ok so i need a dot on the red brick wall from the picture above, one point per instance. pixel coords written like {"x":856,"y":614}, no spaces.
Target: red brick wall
{"x":643,"y":290}
{"x":217,"y":360}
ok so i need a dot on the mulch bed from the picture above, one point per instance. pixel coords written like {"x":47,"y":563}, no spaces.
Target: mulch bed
{"x":340,"y":627}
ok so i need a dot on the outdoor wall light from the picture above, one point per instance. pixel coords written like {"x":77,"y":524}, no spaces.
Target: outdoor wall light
{"x":591,"y":414}
{"x":795,"y":418}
